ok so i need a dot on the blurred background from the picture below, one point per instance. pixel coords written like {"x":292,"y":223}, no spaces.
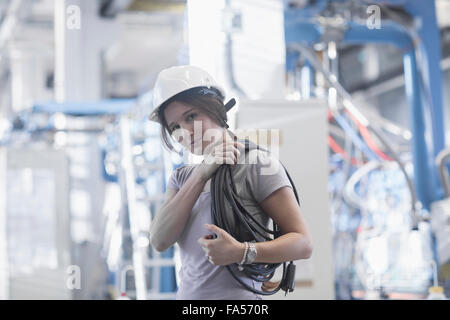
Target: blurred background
{"x":357,"y":92}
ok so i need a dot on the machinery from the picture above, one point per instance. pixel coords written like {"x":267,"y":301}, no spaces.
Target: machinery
{"x":393,"y":246}
{"x":93,"y":169}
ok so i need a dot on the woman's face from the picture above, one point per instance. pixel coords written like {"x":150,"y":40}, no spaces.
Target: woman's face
{"x":196,"y":126}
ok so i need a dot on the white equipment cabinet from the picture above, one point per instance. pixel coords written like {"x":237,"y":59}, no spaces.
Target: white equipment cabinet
{"x":35,"y":233}
{"x":303,"y":151}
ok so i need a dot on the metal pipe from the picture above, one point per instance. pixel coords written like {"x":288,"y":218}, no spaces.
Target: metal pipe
{"x":303,"y":31}
{"x":349,"y":193}
{"x":309,"y":31}
{"x":349,"y":105}
{"x":9,"y":22}
{"x":390,"y":33}
{"x":129,"y":206}
{"x":428,"y":43}
{"x":229,"y":72}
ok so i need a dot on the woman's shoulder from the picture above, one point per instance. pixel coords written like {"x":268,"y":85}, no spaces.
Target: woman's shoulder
{"x":262,"y":158}
{"x":182,"y":173}
{"x":184,"y":169}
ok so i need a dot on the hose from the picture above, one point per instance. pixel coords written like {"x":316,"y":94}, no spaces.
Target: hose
{"x":353,"y":135}
{"x":361,"y":120}
{"x":441,"y":160}
{"x":223,"y":189}
{"x":368,"y":139}
{"x":349,"y":193}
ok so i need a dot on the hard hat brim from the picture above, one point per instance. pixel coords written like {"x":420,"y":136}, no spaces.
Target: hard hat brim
{"x":154,"y":115}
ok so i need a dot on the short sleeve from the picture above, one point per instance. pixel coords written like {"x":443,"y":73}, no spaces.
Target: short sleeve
{"x":265,"y":175}
{"x":173,"y":181}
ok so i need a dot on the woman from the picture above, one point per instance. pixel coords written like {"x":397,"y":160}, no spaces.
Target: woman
{"x":189,"y":105}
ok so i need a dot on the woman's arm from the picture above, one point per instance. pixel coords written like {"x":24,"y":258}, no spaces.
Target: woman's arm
{"x":169,"y":222}
{"x":294,"y":244}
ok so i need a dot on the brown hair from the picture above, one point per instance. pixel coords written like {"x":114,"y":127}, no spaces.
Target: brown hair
{"x":211,"y":104}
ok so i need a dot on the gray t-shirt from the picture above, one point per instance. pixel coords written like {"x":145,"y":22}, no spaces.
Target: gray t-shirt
{"x":255,"y":179}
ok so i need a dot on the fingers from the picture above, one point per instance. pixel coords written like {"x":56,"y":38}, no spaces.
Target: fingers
{"x":227,"y":153}
{"x":204,"y":244}
{"x":214,"y":143}
{"x":206,"y":239}
{"x":219,"y":152}
{"x":212,"y":227}
{"x":227,"y":146}
{"x":240,"y":145}
{"x":216,"y":250}
{"x":228,"y":157}
{"x":215,"y":229}
{"x":227,"y":138}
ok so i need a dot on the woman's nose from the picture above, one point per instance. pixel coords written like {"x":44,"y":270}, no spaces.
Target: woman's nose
{"x":187,"y":134}
{"x":189,"y":130}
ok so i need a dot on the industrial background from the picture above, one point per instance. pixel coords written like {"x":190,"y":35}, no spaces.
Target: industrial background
{"x":358,"y":89}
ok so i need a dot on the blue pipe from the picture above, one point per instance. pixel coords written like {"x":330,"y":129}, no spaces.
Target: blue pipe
{"x":390,"y":33}
{"x":300,"y":30}
{"x":309,"y":10}
{"x":354,"y":136}
{"x":306,"y":31}
{"x":422,"y":169}
{"x":430,"y":48}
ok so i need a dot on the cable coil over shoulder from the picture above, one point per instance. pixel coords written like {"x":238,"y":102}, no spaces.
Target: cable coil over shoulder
{"x":223,"y":189}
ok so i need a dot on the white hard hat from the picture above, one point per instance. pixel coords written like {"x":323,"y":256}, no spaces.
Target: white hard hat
{"x":174,"y":80}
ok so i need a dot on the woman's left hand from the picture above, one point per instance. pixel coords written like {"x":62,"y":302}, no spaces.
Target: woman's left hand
{"x":224,"y":249}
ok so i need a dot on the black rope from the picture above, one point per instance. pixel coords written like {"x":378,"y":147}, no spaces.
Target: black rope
{"x":223,"y":190}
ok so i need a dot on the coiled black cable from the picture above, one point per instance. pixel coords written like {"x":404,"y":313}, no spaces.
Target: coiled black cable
{"x":223,"y":189}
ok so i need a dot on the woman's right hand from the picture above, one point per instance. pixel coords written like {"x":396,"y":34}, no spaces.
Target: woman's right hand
{"x":224,"y":151}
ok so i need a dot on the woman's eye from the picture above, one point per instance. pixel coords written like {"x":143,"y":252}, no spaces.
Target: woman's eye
{"x":191,"y":116}
{"x":174,"y":128}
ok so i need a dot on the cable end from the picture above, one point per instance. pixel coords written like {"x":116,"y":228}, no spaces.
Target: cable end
{"x":288,"y":283}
